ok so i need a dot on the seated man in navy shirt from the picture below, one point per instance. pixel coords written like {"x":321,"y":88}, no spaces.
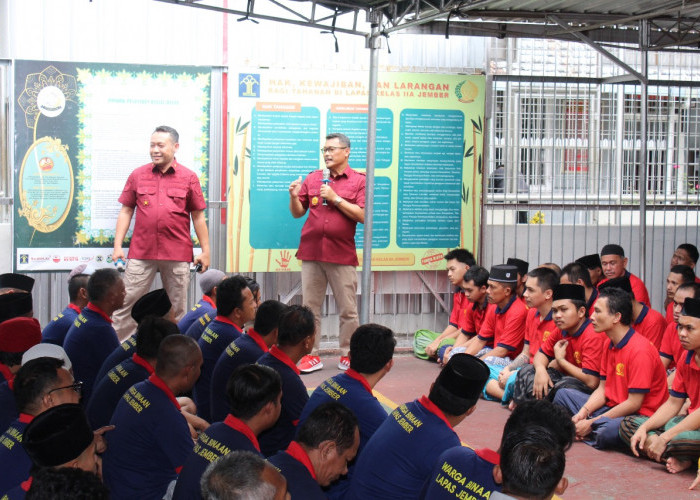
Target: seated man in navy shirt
{"x":295,"y":339}
{"x":60,"y":437}
{"x":151,"y":439}
{"x":243,"y":474}
{"x":235,"y":305}
{"x":398,"y":459}
{"x":92,"y":338}
{"x":208,"y":282}
{"x":326,"y":442}
{"x":371,"y":353}
{"x":55,"y":331}
{"x":245,"y":350}
{"x":255,"y":394}
{"x":39,"y":385}
{"x":154,"y":303}
{"x":109,"y":391}
{"x":480,"y":468}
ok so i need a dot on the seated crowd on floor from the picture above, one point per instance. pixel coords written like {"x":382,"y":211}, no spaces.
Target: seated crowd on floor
{"x":212,"y":405}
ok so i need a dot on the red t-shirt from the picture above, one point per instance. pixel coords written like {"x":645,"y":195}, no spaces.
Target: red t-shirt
{"x":506,"y":327}
{"x":474,"y":318}
{"x":537,"y":330}
{"x":671,"y":347}
{"x":163,"y":203}
{"x":460,"y":304}
{"x":686,"y":383}
{"x":634,"y":366}
{"x":651,"y":324}
{"x":328,"y":235}
{"x":584,"y":349}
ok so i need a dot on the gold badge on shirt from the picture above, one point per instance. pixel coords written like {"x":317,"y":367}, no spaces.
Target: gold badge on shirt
{"x":314,"y":200}
{"x":145,"y":202}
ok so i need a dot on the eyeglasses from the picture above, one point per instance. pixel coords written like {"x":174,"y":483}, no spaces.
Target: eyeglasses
{"x":76,"y":386}
{"x":332,"y":149}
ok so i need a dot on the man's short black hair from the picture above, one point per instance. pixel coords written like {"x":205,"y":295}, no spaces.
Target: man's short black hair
{"x":75,"y":284}
{"x":695,"y":287}
{"x":546,"y":278}
{"x":691,"y":250}
{"x":686,"y":272}
{"x":175,"y":353}
{"x":577,"y":271}
{"x":150,"y":333}
{"x":543,"y":413}
{"x":296,"y":323}
{"x":532,"y":463}
{"x":250,"y":387}
{"x":619,"y":301}
{"x":229,"y":295}
{"x":479,"y":275}
{"x":66,"y":483}
{"x":371,"y":348}
{"x":252,"y":284}
{"x":101,"y":282}
{"x":268,"y":316}
{"x":34,"y":379}
{"x":461,"y":255}
{"x":329,"y":422}
{"x":169,"y":130}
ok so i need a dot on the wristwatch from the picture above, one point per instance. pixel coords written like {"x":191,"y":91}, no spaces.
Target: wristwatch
{"x":338,"y":201}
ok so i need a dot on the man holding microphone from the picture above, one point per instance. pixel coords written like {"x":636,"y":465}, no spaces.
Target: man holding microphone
{"x":335,"y":199}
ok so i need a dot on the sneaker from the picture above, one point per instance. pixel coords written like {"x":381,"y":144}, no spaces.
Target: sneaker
{"x":309,"y":364}
{"x":344,"y":363}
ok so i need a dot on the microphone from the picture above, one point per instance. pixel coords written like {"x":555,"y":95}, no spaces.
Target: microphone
{"x":326,"y":181}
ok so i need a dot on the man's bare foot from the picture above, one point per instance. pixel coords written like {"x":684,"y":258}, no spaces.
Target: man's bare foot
{"x":674,"y":466}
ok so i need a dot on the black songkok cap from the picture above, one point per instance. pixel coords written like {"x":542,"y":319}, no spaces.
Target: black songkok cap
{"x":691,"y":307}
{"x":58,"y":435}
{"x":623,"y":283}
{"x":155,"y":303}
{"x":612,"y":250}
{"x":571,"y":292}
{"x":522,"y":266}
{"x":464,"y":376}
{"x":504,"y":273}
{"x":15,"y":304}
{"x":590,"y":261}
{"x":18,"y":281}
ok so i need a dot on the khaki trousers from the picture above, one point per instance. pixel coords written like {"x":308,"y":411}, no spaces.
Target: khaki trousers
{"x":315,"y":277}
{"x":138,"y":278}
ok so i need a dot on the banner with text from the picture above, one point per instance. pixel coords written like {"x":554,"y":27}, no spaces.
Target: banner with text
{"x":80,"y":129}
{"x":428,"y":163}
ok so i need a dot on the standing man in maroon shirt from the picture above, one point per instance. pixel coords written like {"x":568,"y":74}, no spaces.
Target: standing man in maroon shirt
{"x":327,"y":247}
{"x":165,"y":195}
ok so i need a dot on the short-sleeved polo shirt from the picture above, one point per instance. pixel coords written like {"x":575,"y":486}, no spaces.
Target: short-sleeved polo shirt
{"x":197,"y":328}
{"x":88,"y":343}
{"x":123,"y":352}
{"x":686,"y":383}
{"x":651,"y":324}
{"x":296,"y":467}
{"x":460,"y":304}
{"x":671,"y":347}
{"x":294,"y":397}
{"x":634,"y":366}
{"x":584,"y":349}
{"x":217,"y":335}
{"x":149,"y":444}
{"x":474,"y":318}
{"x":506,"y":326}
{"x":537,"y":330}
{"x":55,"y":332}
{"x":245,"y":350}
{"x":204,"y":306}
{"x":461,"y":472}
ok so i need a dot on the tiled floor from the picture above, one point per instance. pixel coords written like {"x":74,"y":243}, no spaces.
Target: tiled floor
{"x":592,"y":474}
